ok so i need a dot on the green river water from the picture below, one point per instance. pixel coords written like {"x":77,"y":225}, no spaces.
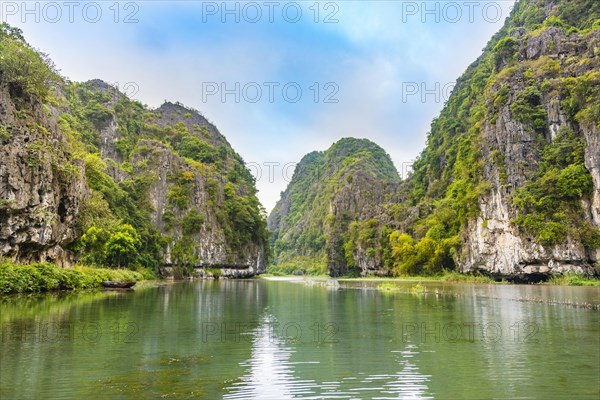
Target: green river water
{"x":268,"y":339}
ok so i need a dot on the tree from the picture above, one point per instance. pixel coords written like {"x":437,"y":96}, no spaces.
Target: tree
{"x":121,"y":248}
{"x":8,"y":31}
{"x":184,"y":257}
{"x":91,"y":245}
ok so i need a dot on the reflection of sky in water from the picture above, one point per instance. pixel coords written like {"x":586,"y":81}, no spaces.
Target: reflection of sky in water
{"x":272,"y":375}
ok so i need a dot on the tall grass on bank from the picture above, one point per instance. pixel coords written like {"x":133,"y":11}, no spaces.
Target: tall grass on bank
{"x":42,"y":277}
{"x":573,"y":280}
{"x":446,"y":276}
{"x":453,"y":276}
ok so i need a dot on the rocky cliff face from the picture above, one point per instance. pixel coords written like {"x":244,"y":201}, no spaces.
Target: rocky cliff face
{"x":195,"y":189}
{"x":84,"y":168}
{"x":492,"y":242}
{"x":209,"y":242}
{"x":41,"y":187}
{"x":508,"y":183}
{"x":330,"y":192}
{"x":528,"y":110}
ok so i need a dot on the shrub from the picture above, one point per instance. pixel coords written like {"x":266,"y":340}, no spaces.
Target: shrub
{"x":196,"y":149}
{"x":548,"y":204}
{"x":98,"y":114}
{"x":527,"y":108}
{"x":42,"y":277}
{"x":24,"y":69}
{"x":505,"y":50}
{"x":121,"y":247}
{"x":192,"y":222}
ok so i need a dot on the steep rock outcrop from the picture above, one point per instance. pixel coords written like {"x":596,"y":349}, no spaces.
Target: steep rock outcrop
{"x":41,"y":188}
{"x":208,"y":241}
{"x":178,"y":168}
{"x":508,"y":182}
{"x":195,"y":189}
{"x":492,"y":242}
{"x":85,"y":168}
{"x":330,"y":194}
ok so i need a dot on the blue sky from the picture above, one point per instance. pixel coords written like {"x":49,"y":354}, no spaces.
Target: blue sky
{"x":386,"y":65}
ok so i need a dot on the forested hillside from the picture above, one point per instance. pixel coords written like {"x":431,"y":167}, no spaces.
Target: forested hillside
{"x":509,"y":182}
{"x":91,"y":176}
{"x":332,"y":195}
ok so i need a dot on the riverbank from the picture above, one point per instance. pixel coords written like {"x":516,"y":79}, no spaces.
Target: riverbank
{"x":450,"y":277}
{"x":447,"y":277}
{"x":45,"y":277}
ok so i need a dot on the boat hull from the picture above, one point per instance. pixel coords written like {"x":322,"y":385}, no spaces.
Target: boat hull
{"x":117,"y":285}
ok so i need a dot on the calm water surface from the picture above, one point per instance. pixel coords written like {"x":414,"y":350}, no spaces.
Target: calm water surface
{"x":259,"y":339}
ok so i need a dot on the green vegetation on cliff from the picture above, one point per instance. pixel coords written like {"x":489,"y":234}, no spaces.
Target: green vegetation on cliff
{"x":520,"y":85}
{"x":124,"y":181}
{"x":156,"y":187}
{"x":550,"y":201}
{"x":328,"y":200}
{"x":27,"y":71}
{"x":449,"y":179}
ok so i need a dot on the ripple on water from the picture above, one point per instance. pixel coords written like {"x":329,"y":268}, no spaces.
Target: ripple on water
{"x":271,"y":374}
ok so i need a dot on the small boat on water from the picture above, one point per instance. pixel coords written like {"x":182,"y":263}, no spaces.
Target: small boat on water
{"x":117,"y":285}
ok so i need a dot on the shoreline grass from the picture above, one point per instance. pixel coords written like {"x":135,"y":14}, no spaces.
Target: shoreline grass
{"x":453,"y":277}
{"x":572,"y":280}
{"x":46,"y":277}
{"x":449,"y":277}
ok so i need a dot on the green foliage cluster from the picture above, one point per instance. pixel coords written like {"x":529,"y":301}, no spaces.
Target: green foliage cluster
{"x":97,"y":113}
{"x":117,"y":248}
{"x":25,"y":70}
{"x":573,"y":280}
{"x":453,"y":276}
{"x":42,"y":277}
{"x":364,"y":234}
{"x":581,"y":97}
{"x":192,"y":222}
{"x":570,"y":15}
{"x":425,"y":257}
{"x":4,"y":133}
{"x":192,"y":147}
{"x":184,"y":257}
{"x":243,"y":223}
{"x":549,"y":204}
{"x":505,"y":51}
{"x":580,"y":14}
{"x":360,"y":154}
{"x":181,"y":189}
{"x":527,"y":108}
{"x":214,"y":272}
{"x":299,"y":266}
{"x":81,"y":133}
{"x":110,"y":206}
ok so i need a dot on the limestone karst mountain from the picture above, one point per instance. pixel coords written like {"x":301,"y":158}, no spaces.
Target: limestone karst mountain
{"x":89,"y":175}
{"x":509,"y":182}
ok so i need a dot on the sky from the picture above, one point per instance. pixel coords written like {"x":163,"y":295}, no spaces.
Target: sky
{"x":278,"y":78}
